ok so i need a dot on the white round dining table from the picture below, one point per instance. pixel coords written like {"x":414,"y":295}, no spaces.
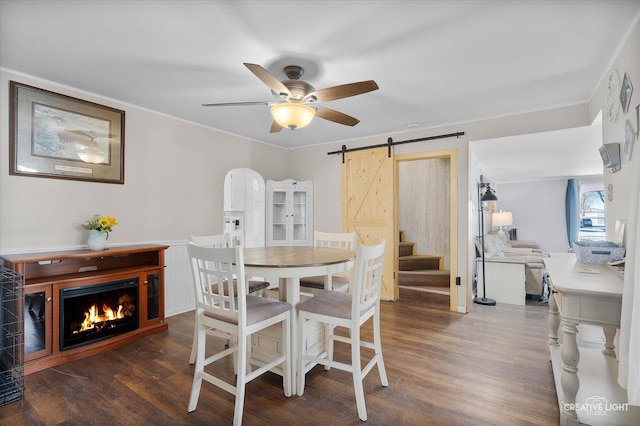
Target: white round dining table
{"x":288,"y":264}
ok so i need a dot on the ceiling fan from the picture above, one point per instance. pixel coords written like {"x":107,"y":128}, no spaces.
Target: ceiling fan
{"x":296,"y":100}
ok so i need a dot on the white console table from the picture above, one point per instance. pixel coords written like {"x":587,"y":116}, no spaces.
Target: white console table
{"x":592,"y":298}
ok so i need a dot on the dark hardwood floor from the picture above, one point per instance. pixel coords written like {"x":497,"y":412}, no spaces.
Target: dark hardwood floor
{"x":488,"y":367}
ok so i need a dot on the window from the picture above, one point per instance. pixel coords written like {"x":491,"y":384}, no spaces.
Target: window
{"x":592,"y":211}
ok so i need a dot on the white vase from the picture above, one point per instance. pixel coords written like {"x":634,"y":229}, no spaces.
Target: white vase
{"x":97,"y":241}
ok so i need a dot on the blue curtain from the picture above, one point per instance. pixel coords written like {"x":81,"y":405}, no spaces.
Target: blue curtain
{"x":572,"y":209}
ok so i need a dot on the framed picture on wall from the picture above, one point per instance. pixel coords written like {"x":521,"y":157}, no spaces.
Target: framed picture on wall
{"x":57,"y":136}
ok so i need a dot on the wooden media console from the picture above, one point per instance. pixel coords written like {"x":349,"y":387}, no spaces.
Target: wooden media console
{"x":48,"y":275}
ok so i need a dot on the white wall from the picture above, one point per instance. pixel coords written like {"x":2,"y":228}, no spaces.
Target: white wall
{"x":628,"y":60}
{"x":174,"y":174}
{"x":538,"y":211}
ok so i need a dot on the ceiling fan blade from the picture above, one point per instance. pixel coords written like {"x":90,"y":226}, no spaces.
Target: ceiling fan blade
{"x":275,"y":127}
{"x":343,"y":91}
{"x":236,"y":104}
{"x":336,"y":116}
{"x":269,"y":79}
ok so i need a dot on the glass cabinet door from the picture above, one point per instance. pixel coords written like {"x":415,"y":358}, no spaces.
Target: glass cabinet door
{"x":299,"y":215}
{"x":279,"y":216}
{"x":37,"y":322}
{"x":153,"y":296}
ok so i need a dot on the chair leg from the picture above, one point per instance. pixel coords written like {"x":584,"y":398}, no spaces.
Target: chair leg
{"x":378,"y":349}
{"x":194,"y":345}
{"x":299,"y":370}
{"x":356,"y":370}
{"x":195,"y":392}
{"x":240,"y":380}
{"x":200,"y":343}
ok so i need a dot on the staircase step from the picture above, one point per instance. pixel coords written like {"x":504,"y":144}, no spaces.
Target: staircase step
{"x":431,"y":278}
{"x":405,"y":248}
{"x":418,"y":262}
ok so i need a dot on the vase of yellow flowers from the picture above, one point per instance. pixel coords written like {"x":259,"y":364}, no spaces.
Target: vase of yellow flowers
{"x":99,"y":228}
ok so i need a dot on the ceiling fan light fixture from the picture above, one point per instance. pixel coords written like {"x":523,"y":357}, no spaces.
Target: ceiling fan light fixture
{"x":292,"y":115}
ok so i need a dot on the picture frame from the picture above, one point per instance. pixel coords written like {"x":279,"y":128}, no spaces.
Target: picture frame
{"x":52,"y":135}
{"x":625,"y":93}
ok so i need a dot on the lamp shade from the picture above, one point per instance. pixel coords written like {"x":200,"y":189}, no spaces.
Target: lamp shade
{"x":502,"y":218}
{"x":489,"y":194}
{"x":292,"y":115}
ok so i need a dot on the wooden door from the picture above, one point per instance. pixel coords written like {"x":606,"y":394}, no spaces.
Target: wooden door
{"x":369,"y":207}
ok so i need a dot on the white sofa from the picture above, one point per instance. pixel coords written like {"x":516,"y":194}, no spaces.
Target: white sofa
{"x":526,"y":253}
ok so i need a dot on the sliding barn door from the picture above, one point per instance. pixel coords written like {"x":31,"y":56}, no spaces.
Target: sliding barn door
{"x":368,"y":207}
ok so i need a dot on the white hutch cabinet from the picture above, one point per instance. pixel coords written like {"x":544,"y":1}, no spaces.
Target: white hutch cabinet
{"x":289,"y":212}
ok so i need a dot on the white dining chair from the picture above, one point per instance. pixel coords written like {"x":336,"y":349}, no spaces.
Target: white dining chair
{"x":224,"y":240}
{"x":339,"y":282}
{"x":214,"y":270}
{"x":255,"y":286}
{"x":349,"y":310}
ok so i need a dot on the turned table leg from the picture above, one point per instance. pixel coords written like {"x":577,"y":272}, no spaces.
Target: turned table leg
{"x":554,"y":319}
{"x":569,"y":378}
{"x":609,"y":347}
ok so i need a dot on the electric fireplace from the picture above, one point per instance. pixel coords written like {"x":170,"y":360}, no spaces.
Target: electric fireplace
{"x":80,"y":302}
{"x":92,"y":313}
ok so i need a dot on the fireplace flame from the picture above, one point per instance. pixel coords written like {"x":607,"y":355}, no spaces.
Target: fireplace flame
{"x":93,"y":318}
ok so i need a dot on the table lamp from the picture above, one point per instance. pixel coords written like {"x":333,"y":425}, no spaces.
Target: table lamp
{"x":501,"y":219}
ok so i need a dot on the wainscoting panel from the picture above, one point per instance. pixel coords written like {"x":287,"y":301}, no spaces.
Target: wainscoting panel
{"x":179,"y":294}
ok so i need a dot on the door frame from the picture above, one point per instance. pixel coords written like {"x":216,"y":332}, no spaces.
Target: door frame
{"x":452,"y":155}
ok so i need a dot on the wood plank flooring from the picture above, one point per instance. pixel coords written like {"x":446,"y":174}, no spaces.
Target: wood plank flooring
{"x":488,"y":367}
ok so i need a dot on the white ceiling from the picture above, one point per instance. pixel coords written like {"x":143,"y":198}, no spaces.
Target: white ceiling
{"x":561,"y":154}
{"x":436,"y":62}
